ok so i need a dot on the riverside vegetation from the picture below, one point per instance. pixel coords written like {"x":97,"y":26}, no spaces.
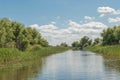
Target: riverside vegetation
{"x":107,"y":45}
{"x":19,"y":43}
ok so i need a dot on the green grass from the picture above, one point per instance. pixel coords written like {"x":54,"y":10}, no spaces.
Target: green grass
{"x":106,"y":51}
{"x":12,"y":55}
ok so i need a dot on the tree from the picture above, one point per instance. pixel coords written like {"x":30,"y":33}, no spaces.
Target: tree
{"x":15,"y":35}
{"x":6,"y":33}
{"x":64,"y":44}
{"x":75,"y":44}
{"x":111,"y":36}
{"x":43,"y":42}
{"x":97,"y":41}
{"x":84,"y":42}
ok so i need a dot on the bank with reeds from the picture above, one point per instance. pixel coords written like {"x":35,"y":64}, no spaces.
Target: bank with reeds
{"x":107,"y":51}
{"x":13,"y":55}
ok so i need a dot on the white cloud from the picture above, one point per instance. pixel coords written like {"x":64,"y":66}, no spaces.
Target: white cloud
{"x":107,"y":10}
{"x":44,"y":27}
{"x":73,"y":24}
{"x":75,"y":31}
{"x":102,"y":15}
{"x":88,"y":18}
{"x":114,"y":20}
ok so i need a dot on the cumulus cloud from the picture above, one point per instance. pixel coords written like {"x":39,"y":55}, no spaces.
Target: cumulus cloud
{"x":114,"y":20}
{"x":88,"y":18}
{"x":75,"y":31}
{"x":107,"y":10}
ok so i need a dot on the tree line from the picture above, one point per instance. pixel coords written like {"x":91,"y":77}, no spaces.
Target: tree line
{"x":109,"y":36}
{"x":15,"y":35}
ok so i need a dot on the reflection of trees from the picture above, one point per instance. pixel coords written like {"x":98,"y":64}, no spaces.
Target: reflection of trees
{"x":112,"y":62}
{"x":22,"y":71}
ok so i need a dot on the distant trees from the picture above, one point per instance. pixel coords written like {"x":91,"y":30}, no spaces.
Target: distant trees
{"x":97,"y":41}
{"x":64,"y":44}
{"x":75,"y":44}
{"x":110,"y":36}
{"x":84,"y":42}
{"x":16,"y":35}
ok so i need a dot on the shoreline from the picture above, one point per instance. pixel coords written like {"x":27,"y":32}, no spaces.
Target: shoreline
{"x":109,"y":52}
{"x":14,"y":56}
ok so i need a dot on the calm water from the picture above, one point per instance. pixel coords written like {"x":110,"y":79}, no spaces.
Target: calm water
{"x":69,"y":65}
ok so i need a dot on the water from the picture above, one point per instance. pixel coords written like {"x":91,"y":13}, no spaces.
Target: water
{"x":69,"y":65}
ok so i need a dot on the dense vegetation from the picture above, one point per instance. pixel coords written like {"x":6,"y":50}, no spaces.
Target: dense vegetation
{"x":85,"y":42}
{"x":19,"y":43}
{"x":12,"y":55}
{"x":15,"y":35}
{"x":109,"y":37}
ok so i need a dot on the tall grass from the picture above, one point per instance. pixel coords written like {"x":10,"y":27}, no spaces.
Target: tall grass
{"x":106,"y":51}
{"x":13,"y":55}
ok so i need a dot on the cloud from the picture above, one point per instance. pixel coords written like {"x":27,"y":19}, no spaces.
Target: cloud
{"x":88,"y":18}
{"x":114,"y":20}
{"x":107,"y":10}
{"x":50,"y":26}
{"x":74,"y":31}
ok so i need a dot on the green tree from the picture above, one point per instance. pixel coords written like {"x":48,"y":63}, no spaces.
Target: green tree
{"x":109,"y":37}
{"x":15,"y":35}
{"x":64,"y":44}
{"x":84,"y":42}
{"x":75,"y":44}
{"x":97,"y":41}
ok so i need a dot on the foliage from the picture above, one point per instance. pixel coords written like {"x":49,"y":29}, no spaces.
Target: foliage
{"x":16,"y":35}
{"x":111,"y":36}
{"x":34,"y":48}
{"x":84,"y":42}
{"x":97,"y":41}
{"x":75,"y":44}
{"x":64,"y":44}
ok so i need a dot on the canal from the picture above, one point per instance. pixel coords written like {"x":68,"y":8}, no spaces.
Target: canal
{"x":69,"y":65}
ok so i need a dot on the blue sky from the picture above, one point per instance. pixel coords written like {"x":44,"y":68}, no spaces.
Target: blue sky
{"x":62,"y":14}
{"x":44,"y":11}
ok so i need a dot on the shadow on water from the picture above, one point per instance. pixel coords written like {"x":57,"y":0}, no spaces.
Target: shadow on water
{"x":21,"y":71}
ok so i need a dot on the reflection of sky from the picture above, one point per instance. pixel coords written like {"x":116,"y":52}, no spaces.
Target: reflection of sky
{"x":76,"y":65}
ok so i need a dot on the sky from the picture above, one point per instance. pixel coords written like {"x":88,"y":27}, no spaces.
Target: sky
{"x":63,"y":20}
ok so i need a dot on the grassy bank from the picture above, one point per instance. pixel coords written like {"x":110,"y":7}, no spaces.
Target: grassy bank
{"x":107,"y":51}
{"x":12,"y":55}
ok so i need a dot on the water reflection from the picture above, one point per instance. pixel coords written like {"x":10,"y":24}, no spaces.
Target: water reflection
{"x":70,"y":65}
{"x":21,"y":71}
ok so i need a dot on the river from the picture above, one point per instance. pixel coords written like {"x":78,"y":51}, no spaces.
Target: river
{"x":69,"y":65}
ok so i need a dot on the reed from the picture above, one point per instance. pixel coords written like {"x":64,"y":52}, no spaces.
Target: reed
{"x":107,"y":51}
{"x":13,"y":55}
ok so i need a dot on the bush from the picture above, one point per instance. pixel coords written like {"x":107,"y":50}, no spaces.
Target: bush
{"x":34,"y":48}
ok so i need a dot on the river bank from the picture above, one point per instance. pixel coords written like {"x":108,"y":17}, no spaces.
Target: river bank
{"x":14,"y":56}
{"x":106,"y":51}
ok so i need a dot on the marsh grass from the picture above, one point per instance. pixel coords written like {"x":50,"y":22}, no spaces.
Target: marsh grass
{"x":13,"y":55}
{"x":106,"y":51}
